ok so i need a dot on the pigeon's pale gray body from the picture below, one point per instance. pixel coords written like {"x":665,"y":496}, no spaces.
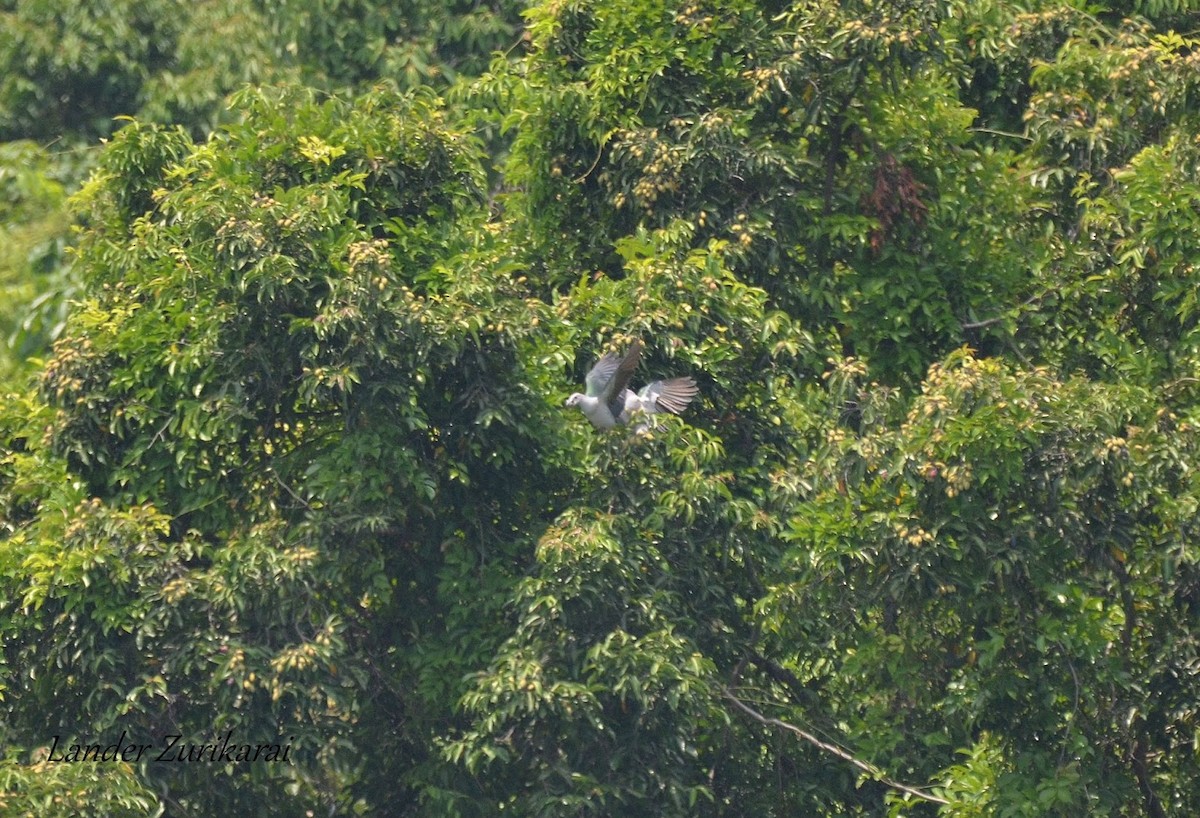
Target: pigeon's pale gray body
{"x":608,"y":400}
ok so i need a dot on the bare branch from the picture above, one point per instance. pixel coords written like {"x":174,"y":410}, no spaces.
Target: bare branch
{"x":289,"y":490}
{"x":987,"y":322}
{"x":1141,"y":769}
{"x":868,"y":768}
{"x":1009,"y":134}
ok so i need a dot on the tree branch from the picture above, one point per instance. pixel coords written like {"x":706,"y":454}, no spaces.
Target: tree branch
{"x":288,"y":489}
{"x":1141,"y":769}
{"x":987,"y":322}
{"x":785,"y":677}
{"x":870,"y":769}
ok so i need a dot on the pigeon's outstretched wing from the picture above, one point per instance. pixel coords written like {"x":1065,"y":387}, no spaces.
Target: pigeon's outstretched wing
{"x":613,"y":394}
{"x":600,"y":374}
{"x":671,"y":395}
{"x":607,"y":383}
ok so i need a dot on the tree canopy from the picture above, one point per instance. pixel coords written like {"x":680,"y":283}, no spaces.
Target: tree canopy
{"x":295,"y":466}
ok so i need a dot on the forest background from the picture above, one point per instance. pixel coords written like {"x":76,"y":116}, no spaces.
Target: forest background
{"x":294,"y":290}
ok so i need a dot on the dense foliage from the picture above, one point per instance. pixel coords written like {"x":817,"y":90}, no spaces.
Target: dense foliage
{"x":68,"y":68}
{"x":74,"y":71}
{"x":297,"y":466}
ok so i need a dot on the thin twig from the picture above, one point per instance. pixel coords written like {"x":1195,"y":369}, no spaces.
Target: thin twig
{"x":1170,"y":387}
{"x":987,"y":322}
{"x":596,"y":161}
{"x":1075,"y":707}
{"x":995,"y":132}
{"x":870,"y":769}
{"x":288,"y":489}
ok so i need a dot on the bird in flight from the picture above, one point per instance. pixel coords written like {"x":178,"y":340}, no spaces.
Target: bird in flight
{"x":608,"y":400}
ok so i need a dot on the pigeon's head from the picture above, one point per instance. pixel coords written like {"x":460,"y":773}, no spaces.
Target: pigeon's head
{"x":574,"y":400}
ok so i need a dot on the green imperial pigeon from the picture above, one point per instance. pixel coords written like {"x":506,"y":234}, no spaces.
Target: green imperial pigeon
{"x":608,"y":401}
